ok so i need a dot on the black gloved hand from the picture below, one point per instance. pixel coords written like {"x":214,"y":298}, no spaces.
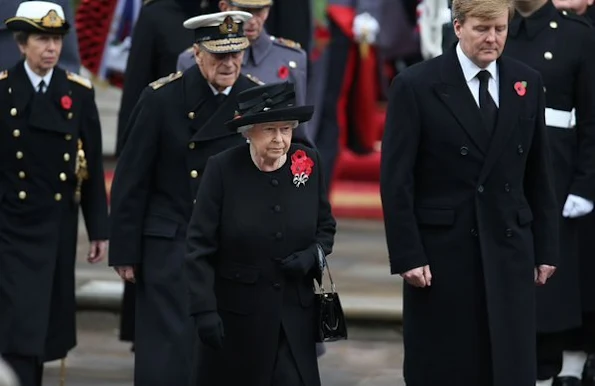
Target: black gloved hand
{"x":210,"y":329}
{"x":298,"y":264}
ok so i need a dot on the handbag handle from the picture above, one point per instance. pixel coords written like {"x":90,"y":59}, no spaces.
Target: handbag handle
{"x":324,"y":263}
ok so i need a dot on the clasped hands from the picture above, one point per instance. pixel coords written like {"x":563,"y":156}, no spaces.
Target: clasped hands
{"x":422,"y":276}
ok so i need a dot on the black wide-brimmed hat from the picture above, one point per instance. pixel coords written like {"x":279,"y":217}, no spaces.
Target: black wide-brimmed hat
{"x":273,"y":102}
{"x":221,"y":32}
{"x":39,"y":17}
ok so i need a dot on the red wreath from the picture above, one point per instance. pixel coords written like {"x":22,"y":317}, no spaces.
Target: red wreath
{"x":283,"y":72}
{"x":66,"y":102}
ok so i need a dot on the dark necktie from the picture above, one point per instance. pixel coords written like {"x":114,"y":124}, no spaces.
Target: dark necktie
{"x":41,"y":87}
{"x":220,"y":98}
{"x":487,"y":106}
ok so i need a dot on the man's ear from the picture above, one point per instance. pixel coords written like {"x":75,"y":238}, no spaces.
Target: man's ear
{"x":196,"y":48}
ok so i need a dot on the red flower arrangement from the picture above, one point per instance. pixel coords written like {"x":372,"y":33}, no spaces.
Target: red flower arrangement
{"x":301,"y":167}
{"x":283,"y":72}
{"x":66,"y":102}
{"x":520,"y":88}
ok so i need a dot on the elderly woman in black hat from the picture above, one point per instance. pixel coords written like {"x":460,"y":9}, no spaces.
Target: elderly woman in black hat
{"x":261,"y":220}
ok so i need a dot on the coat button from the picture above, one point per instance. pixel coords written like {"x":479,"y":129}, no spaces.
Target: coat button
{"x":193,"y":174}
{"x":464,"y":150}
{"x":508,"y":232}
{"x":191,"y":115}
{"x":194,"y":201}
{"x":277,"y":208}
{"x":277,"y":286}
{"x":57,"y":197}
{"x":548,"y":55}
{"x":191,"y":145}
{"x":62,"y":176}
{"x":553,"y":25}
{"x":22,"y":195}
{"x":520,"y":150}
{"x":480,"y":189}
{"x":278,"y":235}
{"x":506,"y":187}
{"x":13,"y":112}
{"x":274,"y":182}
{"x":16,"y":133}
{"x":70,"y":115}
{"x":473,"y":232}
{"x":68,"y":137}
{"x":19,"y":155}
{"x":66,"y":157}
{"x":22,"y":175}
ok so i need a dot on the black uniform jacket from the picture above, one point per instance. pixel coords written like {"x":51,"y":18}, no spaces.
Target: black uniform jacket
{"x":39,"y":136}
{"x":561,"y":46}
{"x":158,"y":38}
{"x":479,"y":209}
{"x":245,"y":219}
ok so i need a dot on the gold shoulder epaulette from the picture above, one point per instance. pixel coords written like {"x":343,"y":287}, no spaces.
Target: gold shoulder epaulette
{"x":166,"y":79}
{"x":79,"y":79}
{"x":3,"y":74}
{"x":255,"y":79}
{"x":286,"y":42}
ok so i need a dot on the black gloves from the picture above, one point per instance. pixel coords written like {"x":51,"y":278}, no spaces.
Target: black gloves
{"x":298,"y":264}
{"x":210,"y":329}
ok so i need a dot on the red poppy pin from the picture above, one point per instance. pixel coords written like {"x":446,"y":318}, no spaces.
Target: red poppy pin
{"x":283,"y":72}
{"x":520,"y":88}
{"x":66,"y":102}
{"x":301,"y":167}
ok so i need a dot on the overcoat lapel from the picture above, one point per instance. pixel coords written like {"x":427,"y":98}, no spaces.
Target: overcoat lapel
{"x":508,"y":113}
{"x":47,"y":112}
{"x":20,"y":88}
{"x":214,"y":125}
{"x":455,"y":94}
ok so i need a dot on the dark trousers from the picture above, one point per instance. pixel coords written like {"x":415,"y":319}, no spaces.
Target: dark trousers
{"x":285,"y":372}
{"x":128,"y":312}
{"x":550,"y":346}
{"x":29,"y":370}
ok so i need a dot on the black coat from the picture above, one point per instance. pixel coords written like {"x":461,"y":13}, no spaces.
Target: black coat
{"x":38,"y":215}
{"x":243,"y":220}
{"x":561,"y":46}
{"x":174,"y":129}
{"x":158,"y":38}
{"x":479,"y":210}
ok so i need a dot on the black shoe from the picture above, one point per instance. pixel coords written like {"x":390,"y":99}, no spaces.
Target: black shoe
{"x":589,"y":371}
{"x":567,"y":381}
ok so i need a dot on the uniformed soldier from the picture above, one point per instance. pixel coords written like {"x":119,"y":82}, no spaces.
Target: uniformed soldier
{"x":268,"y":59}
{"x":176,"y":126}
{"x":51,"y":157}
{"x":561,"y":46}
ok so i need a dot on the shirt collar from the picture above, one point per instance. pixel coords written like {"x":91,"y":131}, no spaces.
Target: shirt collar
{"x":470,"y":69}
{"x":217,"y":92}
{"x":35,"y":79}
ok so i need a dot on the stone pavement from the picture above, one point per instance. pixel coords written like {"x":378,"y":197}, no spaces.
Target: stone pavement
{"x":372,"y":357}
{"x":359,"y":262}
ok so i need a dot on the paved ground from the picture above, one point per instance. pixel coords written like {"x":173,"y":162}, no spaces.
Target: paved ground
{"x":372,"y":357}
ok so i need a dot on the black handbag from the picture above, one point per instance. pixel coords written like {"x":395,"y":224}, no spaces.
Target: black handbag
{"x":330,"y":322}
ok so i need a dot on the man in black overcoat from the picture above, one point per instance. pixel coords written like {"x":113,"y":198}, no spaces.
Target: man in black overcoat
{"x":51,"y":161}
{"x":561,"y":46}
{"x":176,"y":126}
{"x":470,"y":213}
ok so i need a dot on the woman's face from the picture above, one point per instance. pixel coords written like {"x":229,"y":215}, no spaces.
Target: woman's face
{"x":271,"y":141}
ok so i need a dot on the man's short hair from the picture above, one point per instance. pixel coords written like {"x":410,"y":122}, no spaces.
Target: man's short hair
{"x":483,"y":9}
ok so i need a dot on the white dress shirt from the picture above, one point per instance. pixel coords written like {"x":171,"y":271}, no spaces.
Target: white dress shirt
{"x":470,"y":71}
{"x":36,"y":79}
{"x":217,"y":92}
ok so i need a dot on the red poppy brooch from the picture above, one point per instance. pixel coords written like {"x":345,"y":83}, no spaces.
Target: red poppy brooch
{"x":66,"y":102}
{"x":283,"y":72}
{"x":520,"y":88}
{"x":301,"y":167}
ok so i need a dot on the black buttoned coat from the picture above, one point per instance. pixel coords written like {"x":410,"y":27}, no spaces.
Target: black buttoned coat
{"x":38,"y":215}
{"x":174,"y":129}
{"x":244,"y":220}
{"x":479,"y":210}
{"x":561,"y":46}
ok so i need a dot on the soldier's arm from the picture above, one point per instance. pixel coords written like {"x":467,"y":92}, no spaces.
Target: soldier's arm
{"x":93,"y":192}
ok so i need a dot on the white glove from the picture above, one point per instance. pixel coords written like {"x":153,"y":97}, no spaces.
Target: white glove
{"x":576,"y":206}
{"x":365,"y":28}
